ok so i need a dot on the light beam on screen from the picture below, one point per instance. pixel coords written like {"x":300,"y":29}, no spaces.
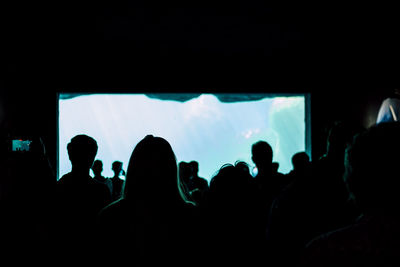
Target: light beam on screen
{"x":202,"y":129}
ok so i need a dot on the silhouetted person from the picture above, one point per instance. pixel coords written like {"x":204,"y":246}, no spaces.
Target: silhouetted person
{"x":234,"y":222}
{"x":185,"y":174}
{"x":80,"y":198}
{"x":97,"y":169}
{"x":151,"y":221}
{"x":301,"y":162}
{"x":372,"y":176}
{"x":198,"y":186}
{"x":198,"y":182}
{"x":301,"y":166}
{"x":316,"y":201}
{"x":27,"y":187}
{"x":117,"y":182}
{"x":269,"y":181}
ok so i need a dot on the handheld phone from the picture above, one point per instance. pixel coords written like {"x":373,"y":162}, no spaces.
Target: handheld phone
{"x":19,"y":145}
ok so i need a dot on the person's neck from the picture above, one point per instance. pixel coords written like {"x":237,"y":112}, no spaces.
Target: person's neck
{"x":80,"y":171}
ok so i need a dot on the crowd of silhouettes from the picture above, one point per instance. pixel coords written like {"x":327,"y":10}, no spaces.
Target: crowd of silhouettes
{"x":340,"y":209}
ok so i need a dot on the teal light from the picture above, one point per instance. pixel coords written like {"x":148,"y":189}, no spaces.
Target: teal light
{"x":202,"y":128}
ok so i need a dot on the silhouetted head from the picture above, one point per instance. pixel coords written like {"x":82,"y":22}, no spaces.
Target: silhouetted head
{"x":262,"y":155}
{"x":116,"y":167}
{"x":372,"y":168}
{"x":194,"y":165}
{"x":97,"y":167}
{"x":152,"y":174}
{"x":184,"y":171}
{"x":300,"y":161}
{"x":229,"y":182}
{"x":81,"y":151}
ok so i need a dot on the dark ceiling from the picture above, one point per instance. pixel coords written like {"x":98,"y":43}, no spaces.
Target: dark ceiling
{"x":247,"y":44}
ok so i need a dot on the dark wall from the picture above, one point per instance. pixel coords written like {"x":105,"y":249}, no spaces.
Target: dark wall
{"x":34,"y":112}
{"x":342,"y":56}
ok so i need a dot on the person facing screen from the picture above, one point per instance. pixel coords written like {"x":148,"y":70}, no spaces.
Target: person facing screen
{"x":79,"y":196}
{"x":269,"y":181}
{"x":97,"y":169}
{"x":372,"y":178}
{"x":117,"y":182}
{"x":153,"y":214}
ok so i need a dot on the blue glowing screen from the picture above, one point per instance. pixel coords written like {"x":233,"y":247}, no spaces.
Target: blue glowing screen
{"x":202,"y":129}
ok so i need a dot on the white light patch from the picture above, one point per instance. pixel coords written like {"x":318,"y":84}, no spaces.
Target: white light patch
{"x":249,"y":133}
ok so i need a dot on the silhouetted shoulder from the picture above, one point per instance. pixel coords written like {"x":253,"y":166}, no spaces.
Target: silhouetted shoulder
{"x":114,"y":209}
{"x":370,"y":242}
{"x":70,"y":181}
{"x":66,"y":184}
{"x":100,"y":186}
{"x":65,"y":179}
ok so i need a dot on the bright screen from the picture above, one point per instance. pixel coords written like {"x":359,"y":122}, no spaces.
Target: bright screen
{"x":202,"y":128}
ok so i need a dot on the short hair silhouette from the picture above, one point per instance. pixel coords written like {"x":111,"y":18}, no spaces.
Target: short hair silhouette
{"x":372,"y":168}
{"x":300,"y":160}
{"x":116,"y":167}
{"x":82,"y":150}
{"x":97,"y":167}
{"x":261,"y":153}
{"x":230,"y":181}
{"x":195,"y":166}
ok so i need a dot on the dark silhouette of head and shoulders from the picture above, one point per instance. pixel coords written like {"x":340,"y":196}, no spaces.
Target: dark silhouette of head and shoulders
{"x":27,"y":189}
{"x":262,"y":157}
{"x":235,"y":232}
{"x":270,"y":181}
{"x":198,"y":182}
{"x":153,"y":212}
{"x":97,"y":169}
{"x":301,"y":162}
{"x":197,"y":186}
{"x":117,"y":182}
{"x":79,"y":196}
{"x":301,"y":166}
{"x":371,"y":175}
{"x":317,"y":199}
{"x":81,"y":151}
